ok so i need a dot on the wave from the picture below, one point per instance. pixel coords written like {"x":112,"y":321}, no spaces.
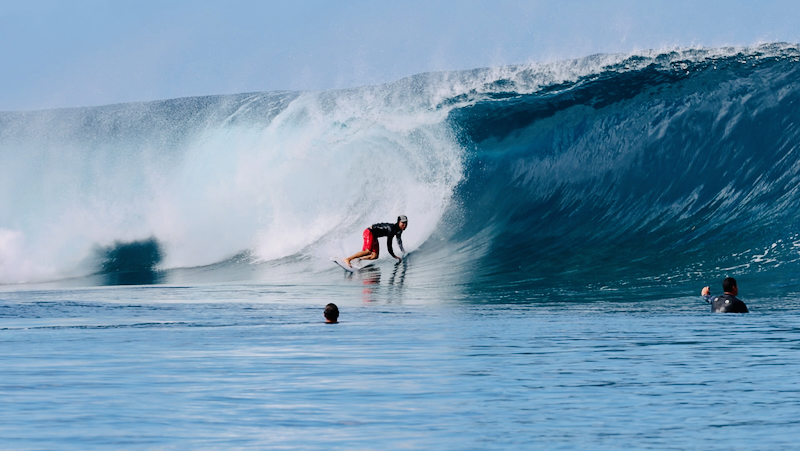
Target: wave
{"x":626,"y":170}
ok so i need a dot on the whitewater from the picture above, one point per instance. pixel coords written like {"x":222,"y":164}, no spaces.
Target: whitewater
{"x":164,"y":264}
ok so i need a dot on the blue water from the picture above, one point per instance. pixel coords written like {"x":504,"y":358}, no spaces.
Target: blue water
{"x":164,"y":265}
{"x":254,"y":367}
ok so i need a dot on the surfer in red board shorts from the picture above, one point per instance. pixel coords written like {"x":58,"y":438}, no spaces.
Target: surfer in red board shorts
{"x":371,"y":248}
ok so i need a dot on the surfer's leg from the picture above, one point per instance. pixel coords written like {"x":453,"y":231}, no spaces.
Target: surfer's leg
{"x":362,"y":254}
{"x":374,"y":248}
{"x":369,"y":251}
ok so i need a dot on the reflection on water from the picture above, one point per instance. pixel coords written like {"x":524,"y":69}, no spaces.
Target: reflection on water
{"x":371,"y":279}
{"x":399,"y":274}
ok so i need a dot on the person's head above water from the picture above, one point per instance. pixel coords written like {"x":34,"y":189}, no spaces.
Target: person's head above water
{"x":331,"y":313}
{"x":729,"y":286}
{"x":402,"y":221}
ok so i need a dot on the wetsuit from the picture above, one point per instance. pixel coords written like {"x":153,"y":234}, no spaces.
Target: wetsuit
{"x":726,"y":303}
{"x":389,"y":231}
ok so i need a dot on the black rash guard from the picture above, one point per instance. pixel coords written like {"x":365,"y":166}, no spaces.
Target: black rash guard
{"x":389,"y":231}
{"x":726,"y":303}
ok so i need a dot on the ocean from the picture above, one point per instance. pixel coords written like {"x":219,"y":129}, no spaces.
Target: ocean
{"x":164,"y":265}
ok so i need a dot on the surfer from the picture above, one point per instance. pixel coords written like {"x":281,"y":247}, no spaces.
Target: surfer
{"x":728,"y":302}
{"x":331,"y":313}
{"x":371,"y":248}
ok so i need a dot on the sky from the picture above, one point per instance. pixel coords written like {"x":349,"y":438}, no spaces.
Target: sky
{"x":56,"y":54}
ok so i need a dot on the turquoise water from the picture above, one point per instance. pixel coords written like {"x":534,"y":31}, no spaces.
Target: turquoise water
{"x":255,"y":367}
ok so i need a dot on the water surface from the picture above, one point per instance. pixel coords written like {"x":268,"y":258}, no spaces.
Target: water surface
{"x":254,"y":367}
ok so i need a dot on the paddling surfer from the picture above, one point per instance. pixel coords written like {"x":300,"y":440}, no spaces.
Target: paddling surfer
{"x":371,"y":248}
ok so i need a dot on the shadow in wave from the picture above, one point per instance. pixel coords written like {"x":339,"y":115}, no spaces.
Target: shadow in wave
{"x":131,"y":263}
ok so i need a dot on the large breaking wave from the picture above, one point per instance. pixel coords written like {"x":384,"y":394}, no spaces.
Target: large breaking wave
{"x":612,"y":170}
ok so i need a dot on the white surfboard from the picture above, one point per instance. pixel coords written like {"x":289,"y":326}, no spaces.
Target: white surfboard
{"x":354,"y":265}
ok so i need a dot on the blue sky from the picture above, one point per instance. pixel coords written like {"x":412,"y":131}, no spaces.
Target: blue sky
{"x":88,"y":52}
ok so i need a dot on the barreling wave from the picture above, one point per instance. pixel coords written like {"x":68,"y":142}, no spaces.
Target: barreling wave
{"x":611,"y":170}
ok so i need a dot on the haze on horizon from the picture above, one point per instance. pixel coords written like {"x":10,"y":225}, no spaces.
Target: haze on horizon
{"x":93,"y":52}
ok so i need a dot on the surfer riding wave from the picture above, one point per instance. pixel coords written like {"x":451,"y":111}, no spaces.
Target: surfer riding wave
{"x":371,"y":248}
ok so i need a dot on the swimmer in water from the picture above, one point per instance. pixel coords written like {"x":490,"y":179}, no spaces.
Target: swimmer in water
{"x":331,"y":313}
{"x":727,"y":302}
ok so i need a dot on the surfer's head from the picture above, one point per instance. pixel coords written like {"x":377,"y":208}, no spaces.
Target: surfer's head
{"x":331,"y":313}
{"x":402,"y":221}
{"x":729,"y":286}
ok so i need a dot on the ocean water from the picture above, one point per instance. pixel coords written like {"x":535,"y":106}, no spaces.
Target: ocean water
{"x":255,"y":367}
{"x":164,"y":265}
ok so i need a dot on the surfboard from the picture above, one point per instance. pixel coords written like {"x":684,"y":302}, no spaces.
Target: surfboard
{"x":355,"y":264}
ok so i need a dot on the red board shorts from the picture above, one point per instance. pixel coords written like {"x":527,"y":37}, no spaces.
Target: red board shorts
{"x":370,"y":242}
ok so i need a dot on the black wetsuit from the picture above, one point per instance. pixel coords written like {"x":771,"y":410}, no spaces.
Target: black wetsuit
{"x":389,"y":231}
{"x":726,"y":303}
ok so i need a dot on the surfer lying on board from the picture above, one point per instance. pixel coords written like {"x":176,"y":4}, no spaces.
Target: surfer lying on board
{"x":371,"y":247}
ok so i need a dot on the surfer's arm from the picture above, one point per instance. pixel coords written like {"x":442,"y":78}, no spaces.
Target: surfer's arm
{"x":400,"y":243}
{"x":389,"y":247}
{"x":706,"y":294}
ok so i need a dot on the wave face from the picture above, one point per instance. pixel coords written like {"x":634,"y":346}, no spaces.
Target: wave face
{"x":649,"y":171}
{"x":608,"y":172}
